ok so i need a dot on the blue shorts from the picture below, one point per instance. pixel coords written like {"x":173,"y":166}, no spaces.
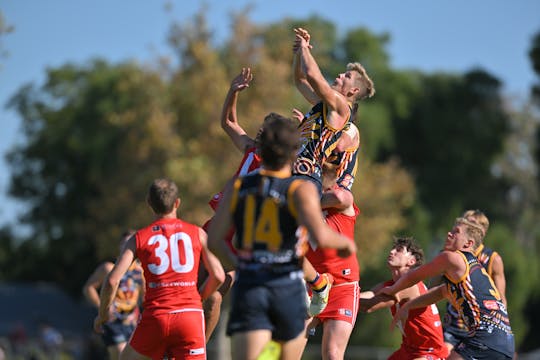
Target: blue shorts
{"x":453,"y":338}
{"x":276,"y":303}
{"x":472,"y":350}
{"x":116,"y":332}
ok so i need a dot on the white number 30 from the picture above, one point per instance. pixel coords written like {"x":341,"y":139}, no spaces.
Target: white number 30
{"x":174,"y":261}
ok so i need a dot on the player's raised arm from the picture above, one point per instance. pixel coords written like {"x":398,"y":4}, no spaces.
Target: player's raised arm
{"x":229,"y":119}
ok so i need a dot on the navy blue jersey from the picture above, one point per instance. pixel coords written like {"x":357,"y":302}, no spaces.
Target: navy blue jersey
{"x":452,"y":322}
{"x":265,"y":220}
{"x":480,"y":307}
{"x":319,"y":139}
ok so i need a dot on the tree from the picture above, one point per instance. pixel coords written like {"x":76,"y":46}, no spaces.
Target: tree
{"x":95,"y":137}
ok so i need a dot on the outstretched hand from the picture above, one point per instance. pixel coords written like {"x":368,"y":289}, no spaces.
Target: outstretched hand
{"x":242,"y":80}
{"x":298,"y":115}
{"x":301,"y":39}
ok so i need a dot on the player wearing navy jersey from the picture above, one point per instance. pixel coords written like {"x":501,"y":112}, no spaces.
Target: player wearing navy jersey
{"x":266,"y":209}
{"x":471,"y":291}
{"x":454,"y":328}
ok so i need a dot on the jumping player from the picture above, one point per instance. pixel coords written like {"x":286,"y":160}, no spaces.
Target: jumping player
{"x":266,"y":209}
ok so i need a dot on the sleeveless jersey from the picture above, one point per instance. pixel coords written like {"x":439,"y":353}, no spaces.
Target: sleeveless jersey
{"x":343,"y":270}
{"x":169,"y":251}
{"x":347,"y":162}
{"x":452,"y":321}
{"x":479,"y":305}
{"x":318,"y":141}
{"x":422,"y":333}
{"x":265,"y":221}
{"x":125,"y":304}
{"x":250,"y":163}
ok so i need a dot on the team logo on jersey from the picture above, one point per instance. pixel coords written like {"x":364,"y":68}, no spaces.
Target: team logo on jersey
{"x":304,"y":166}
{"x":346,"y":271}
{"x":491,"y":304}
{"x":156,"y":228}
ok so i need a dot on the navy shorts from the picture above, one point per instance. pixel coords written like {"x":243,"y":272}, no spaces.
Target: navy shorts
{"x":273,"y":302}
{"x":452,"y":338}
{"x":472,"y":350}
{"x":116,"y":332}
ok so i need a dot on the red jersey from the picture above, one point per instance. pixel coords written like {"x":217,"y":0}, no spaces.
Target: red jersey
{"x":250,"y":162}
{"x":422,"y":333}
{"x":343,"y":270}
{"x":169,"y":251}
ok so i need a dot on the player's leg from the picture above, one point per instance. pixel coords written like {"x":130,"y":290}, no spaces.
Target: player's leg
{"x":129,"y":353}
{"x":336,"y":334}
{"x":115,"y":350}
{"x":250,"y":344}
{"x":212,"y":305}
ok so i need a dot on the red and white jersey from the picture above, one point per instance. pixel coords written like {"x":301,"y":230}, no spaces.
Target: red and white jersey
{"x":250,"y":163}
{"x":343,"y":270}
{"x":422,"y":333}
{"x":169,"y":251}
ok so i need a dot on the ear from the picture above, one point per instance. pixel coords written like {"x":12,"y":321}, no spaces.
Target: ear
{"x":177,"y":203}
{"x":353,"y":91}
{"x":411,"y":261}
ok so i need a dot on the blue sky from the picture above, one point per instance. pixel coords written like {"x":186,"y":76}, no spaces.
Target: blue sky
{"x":450,"y":36}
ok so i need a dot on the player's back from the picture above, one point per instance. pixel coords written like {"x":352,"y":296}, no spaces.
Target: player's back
{"x":169,"y":251}
{"x":265,"y":221}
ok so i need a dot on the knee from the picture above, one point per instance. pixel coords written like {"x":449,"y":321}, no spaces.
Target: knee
{"x":333,"y":352}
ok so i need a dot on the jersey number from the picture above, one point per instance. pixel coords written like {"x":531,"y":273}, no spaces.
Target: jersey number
{"x":173,"y":243}
{"x":265,"y":228}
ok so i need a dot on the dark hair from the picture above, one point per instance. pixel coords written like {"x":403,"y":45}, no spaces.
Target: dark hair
{"x":409,"y":243}
{"x":279,"y":141}
{"x":162,"y":194}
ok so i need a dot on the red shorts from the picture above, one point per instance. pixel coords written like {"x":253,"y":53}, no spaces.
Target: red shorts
{"x":403,"y":354}
{"x":179,"y":335}
{"x":343,"y":303}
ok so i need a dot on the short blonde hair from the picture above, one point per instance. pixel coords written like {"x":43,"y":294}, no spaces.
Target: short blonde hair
{"x":474,"y":230}
{"x":478,"y":217}
{"x":364,"y":80}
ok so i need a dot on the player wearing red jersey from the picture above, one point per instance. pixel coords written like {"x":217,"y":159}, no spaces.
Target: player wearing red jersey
{"x":422,"y":331}
{"x":472,"y":292}
{"x":339,"y":315}
{"x":169,"y":249}
{"x":266,"y":209}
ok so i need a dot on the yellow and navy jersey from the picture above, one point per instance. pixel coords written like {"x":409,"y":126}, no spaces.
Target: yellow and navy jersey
{"x":485,"y":256}
{"x":319,"y":139}
{"x":266,"y":220}
{"x":480,"y":306}
{"x":452,"y":322}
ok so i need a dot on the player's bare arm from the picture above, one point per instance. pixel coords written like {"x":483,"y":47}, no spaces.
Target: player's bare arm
{"x":447,"y":262}
{"x":229,"y":119}
{"x":219,"y":227}
{"x":92,"y":285}
{"x":498,"y":276}
{"x":337,"y":103}
{"x":216,"y":274}
{"x":112,"y":280}
{"x":338,"y":198}
{"x":307,"y":204}
{"x":432,"y":296}
{"x":300,"y":79}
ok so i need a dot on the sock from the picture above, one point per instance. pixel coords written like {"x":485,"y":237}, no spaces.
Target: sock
{"x":319,"y":283}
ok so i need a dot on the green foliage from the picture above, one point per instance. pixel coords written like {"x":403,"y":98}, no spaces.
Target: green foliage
{"x":96,"y":134}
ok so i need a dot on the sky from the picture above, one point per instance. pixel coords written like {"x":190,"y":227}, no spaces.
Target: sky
{"x":428,"y":35}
